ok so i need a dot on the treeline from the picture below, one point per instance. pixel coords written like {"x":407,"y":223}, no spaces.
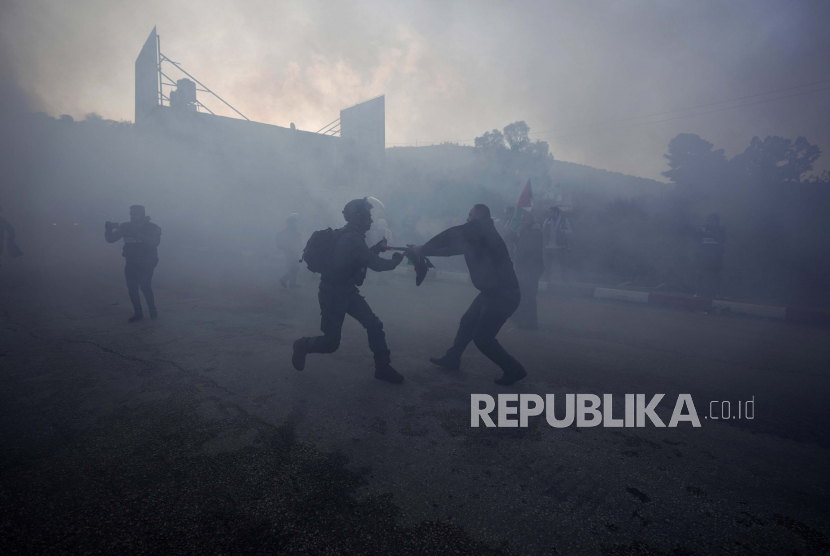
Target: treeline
{"x":628,"y":230}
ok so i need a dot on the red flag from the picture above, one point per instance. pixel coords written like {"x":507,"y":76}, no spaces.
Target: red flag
{"x":526,"y":198}
{"x":523,"y":206}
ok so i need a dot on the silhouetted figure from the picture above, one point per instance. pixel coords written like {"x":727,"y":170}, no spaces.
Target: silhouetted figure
{"x":290,"y":244}
{"x":141,"y":241}
{"x":556,"y":236}
{"x":491,"y":272}
{"x":5,"y":228}
{"x":503,"y":227}
{"x":709,"y":257}
{"x":529,"y":268}
{"x":339,"y":296}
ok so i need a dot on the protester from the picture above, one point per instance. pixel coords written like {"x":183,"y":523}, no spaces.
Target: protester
{"x":491,"y":272}
{"x":556,"y":235}
{"x":529,"y":268}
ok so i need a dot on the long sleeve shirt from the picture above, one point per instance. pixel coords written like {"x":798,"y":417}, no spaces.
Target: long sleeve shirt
{"x":484,"y":252}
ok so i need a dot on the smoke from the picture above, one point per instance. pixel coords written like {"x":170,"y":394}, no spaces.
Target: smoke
{"x":451,"y":70}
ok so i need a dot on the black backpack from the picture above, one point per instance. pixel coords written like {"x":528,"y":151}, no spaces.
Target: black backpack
{"x":319,"y":250}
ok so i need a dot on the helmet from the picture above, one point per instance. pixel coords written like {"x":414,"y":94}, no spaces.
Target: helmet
{"x":357,"y":210}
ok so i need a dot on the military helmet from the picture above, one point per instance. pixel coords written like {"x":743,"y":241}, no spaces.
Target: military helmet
{"x":357,"y":209}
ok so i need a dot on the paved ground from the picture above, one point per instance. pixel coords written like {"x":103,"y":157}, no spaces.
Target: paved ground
{"x":192,"y":433}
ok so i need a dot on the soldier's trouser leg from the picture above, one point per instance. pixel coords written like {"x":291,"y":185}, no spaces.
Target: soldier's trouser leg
{"x":360,"y":311}
{"x":290,"y":276}
{"x":333,"y":306}
{"x":133,"y":273}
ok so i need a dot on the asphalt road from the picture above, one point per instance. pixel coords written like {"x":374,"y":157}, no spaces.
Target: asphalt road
{"x":193,"y":434}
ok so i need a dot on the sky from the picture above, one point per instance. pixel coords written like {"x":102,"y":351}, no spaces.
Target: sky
{"x":452,"y":70}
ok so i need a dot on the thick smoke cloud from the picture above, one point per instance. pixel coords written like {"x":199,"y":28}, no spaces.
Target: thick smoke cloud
{"x":451,"y":70}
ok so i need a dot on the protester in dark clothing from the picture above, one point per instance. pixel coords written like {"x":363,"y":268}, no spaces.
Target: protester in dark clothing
{"x":290,"y":244}
{"x":141,"y":241}
{"x":529,"y":268}
{"x":5,"y":228}
{"x":709,"y":257}
{"x":339,"y":296}
{"x":556,"y":235}
{"x":491,"y":272}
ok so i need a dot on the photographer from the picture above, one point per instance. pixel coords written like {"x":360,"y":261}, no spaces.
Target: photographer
{"x":141,"y":240}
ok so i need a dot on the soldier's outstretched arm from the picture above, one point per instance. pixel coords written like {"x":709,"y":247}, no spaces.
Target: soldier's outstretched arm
{"x":373,"y":261}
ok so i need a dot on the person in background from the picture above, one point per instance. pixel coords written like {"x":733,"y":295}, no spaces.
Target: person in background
{"x":529,"y":268}
{"x":503,"y":227}
{"x":491,"y":272}
{"x":141,"y":241}
{"x":710,"y":240}
{"x":288,"y":241}
{"x":556,"y":237}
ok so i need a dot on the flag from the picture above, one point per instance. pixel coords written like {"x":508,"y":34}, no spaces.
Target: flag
{"x":523,"y":206}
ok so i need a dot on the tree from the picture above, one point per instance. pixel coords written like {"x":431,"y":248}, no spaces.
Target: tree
{"x":517,"y":136}
{"x":490,"y":141}
{"x":777,"y":160}
{"x":692,"y":159}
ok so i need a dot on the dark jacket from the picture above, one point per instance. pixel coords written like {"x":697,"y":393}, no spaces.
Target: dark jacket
{"x":528,"y":241}
{"x":484,"y":252}
{"x":141,"y":240}
{"x":351,"y":258}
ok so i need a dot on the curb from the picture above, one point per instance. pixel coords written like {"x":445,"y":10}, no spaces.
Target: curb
{"x":790,"y":314}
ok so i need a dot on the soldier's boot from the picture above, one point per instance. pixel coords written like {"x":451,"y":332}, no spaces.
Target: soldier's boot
{"x":383,"y":369}
{"x":298,"y":358}
{"x":388,"y":374}
{"x":511,"y":376}
{"x":445,"y":363}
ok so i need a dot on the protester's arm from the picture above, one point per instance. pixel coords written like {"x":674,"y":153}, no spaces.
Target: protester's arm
{"x":446,"y":244}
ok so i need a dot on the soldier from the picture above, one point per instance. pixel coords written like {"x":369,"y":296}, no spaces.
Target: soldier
{"x":529,"y":268}
{"x":491,"y":272}
{"x":288,"y":241}
{"x":339,"y":296}
{"x":141,"y":240}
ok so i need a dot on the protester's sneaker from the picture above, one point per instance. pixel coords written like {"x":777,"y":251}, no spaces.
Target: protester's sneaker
{"x":153,"y":314}
{"x":389,"y":374}
{"x":509,"y":378}
{"x":298,"y":358}
{"x":445,"y":363}
{"x":135,"y":318}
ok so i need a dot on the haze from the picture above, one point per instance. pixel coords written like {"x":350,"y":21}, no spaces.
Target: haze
{"x":452,"y":70}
